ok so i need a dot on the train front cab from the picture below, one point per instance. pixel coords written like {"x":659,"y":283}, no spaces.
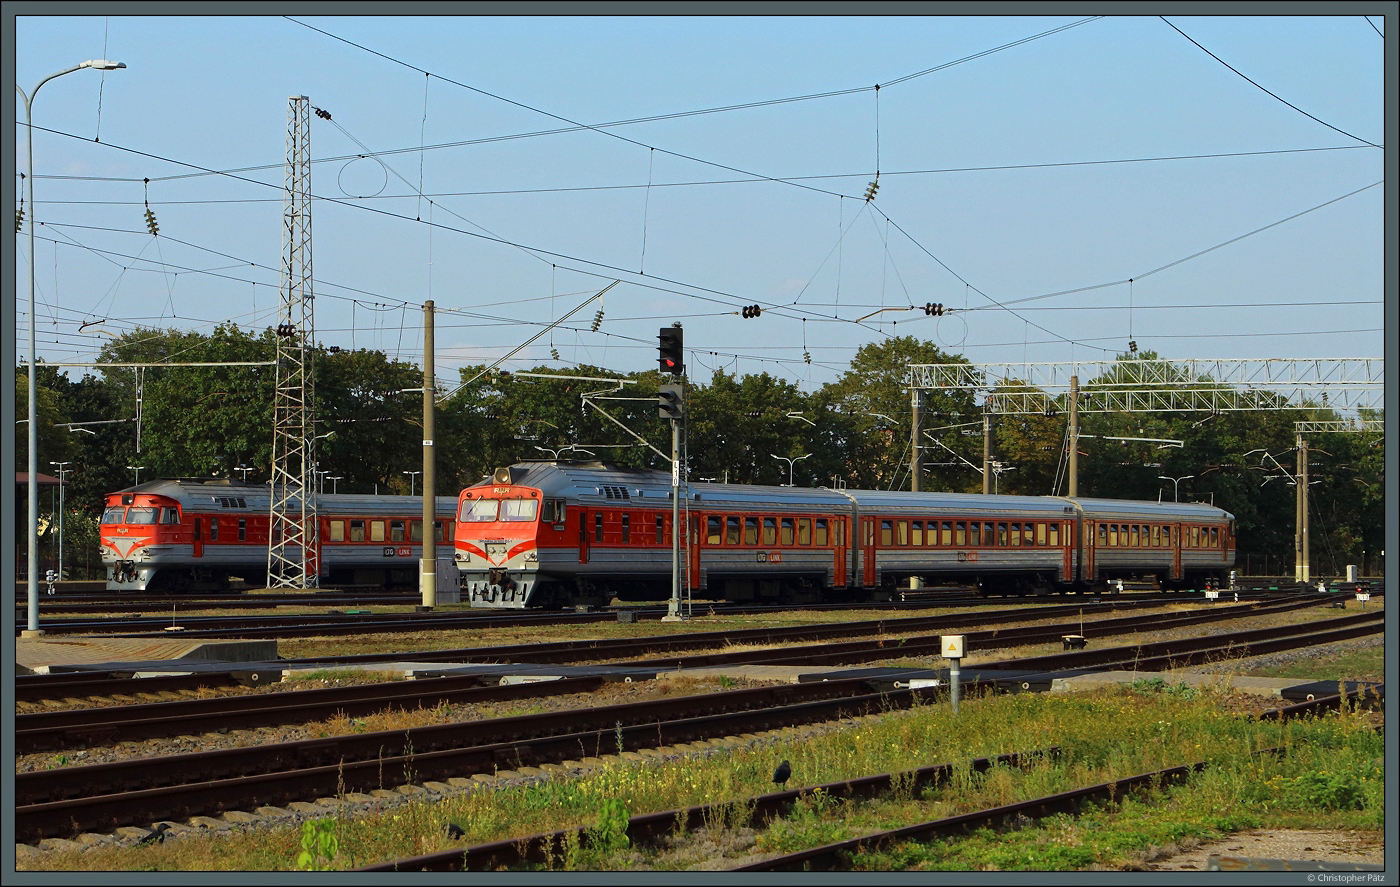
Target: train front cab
{"x":137,"y":532}
{"x":496,"y":545}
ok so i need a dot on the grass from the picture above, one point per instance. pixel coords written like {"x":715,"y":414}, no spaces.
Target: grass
{"x":1330,"y":775}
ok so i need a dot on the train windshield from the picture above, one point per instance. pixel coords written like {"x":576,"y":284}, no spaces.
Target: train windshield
{"x":113,"y":514}
{"x":141,"y":515}
{"x":519,"y":509}
{"x":477,"y":511}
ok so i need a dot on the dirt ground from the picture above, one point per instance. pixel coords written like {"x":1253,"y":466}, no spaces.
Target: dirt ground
{"x":1297,"y":844}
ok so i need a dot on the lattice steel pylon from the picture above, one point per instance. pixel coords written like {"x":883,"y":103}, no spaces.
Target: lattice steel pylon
{"x":293,"y":541}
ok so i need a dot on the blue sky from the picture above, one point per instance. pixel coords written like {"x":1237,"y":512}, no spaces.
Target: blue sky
{"x":990,"y":198}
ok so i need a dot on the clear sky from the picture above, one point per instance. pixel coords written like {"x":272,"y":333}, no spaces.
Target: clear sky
{"x":1025,"y":177}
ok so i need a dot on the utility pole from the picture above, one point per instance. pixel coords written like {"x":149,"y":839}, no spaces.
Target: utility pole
{"x":1300,"y":537}
{"x":986,"y":448}
{"x":427,"y":578}
{"x":916,"y":462}
{"x":1073,"y":436}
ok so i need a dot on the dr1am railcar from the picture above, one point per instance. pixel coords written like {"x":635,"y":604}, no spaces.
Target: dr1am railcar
{"x":196,"y":535}
{"x":551,"y":534}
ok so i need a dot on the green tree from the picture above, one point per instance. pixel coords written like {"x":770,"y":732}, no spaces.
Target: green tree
{"x":737,"y":425}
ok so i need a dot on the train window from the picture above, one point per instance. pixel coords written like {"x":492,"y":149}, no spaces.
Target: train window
{"x":960,"y":533}
{"x":141,"y":515}
{"x":598,"y":527}
{"x":1195,"y":537}
{"x":1040,"y":534}
{"x":785,"y":531}
{"x":337,"y":531}
{"x":661,"y":530}
{"x":1135,"y":535}
{"x":213,"y":529}
{"x":987,"y":538}
{"x":395,"y":531}
{"x":627,"y":528}
{"x":804,"y":531}
{"x":553,"y":511}
{"x":901,"y":532}
{"x":444,"y":530}
{"x":1016,"y":534}
{"x":170,"y":515}
{"x":886,"y":532}
{"x":947,"y":538}
{"x":242,"y":529}
{"x":1214,"y":537}
{"x":1103,"y":535}
{"x":519,"y":509}
{"x":1156,"y":536}
{"x":1055,"y":535}
{"x":770,"y":531}
{"x":917,"y":530}
{"x":975,"y":536}
{"x":1001,"y":533}
{"x":750,"y":531}
{"x":712,"y":529}
{"x":376,"y":531}
{"x":731,"y":531}
{"x":113,"y":514}
{"x":478,"y":511}
{"x":357,"y":530}
{"x":823,"y":538}
{"x":415,"y":531}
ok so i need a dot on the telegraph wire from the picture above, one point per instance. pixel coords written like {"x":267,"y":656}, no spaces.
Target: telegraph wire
{"x":1252,"y":83}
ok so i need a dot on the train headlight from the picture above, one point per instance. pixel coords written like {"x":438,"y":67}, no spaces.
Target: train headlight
{"x":462,"y":557}
{"x":531,"y":557}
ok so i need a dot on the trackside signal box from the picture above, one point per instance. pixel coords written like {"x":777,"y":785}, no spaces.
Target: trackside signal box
{"x":952,"y":646}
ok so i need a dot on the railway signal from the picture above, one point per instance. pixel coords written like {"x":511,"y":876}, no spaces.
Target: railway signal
{"x":671,"y":353}
{"x":670,"y":401}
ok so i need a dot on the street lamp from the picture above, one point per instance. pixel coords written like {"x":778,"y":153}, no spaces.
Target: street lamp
{"x":61,"y":483}
{"x":334,"y":486}
{"x":245,"y":469}
{"x":790,"y":463}
{"x":412,"y":482}
{"x":1175,"y":482}
{"x":137,"y":469}
{"x":100,"y":65}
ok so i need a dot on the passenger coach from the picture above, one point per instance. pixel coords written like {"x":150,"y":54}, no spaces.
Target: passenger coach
{"x":551,"y":534}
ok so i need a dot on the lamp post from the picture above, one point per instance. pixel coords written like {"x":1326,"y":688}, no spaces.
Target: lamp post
{"x":790,"y":463}
{"x":1175,"y":482}
{"x":334,"y":482}
{"x":100,"y":65}
{"x":412,"y":482}
{"x":245,"y":469}
{"x":61,"y":483}
{"x":137,"y":469}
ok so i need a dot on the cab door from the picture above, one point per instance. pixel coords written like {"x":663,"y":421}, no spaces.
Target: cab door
{"x":583,"y":537}
{"x":867,"y":547}
{"x":197,"y":537}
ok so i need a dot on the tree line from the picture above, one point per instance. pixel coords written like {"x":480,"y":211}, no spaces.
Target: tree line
{"x":216,"y":421}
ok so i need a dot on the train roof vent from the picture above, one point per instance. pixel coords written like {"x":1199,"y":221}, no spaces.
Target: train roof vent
{"x":231,"y":501}
{"x":616,"y":492}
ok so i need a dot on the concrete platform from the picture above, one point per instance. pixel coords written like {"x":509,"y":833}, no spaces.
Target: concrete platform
{"x":40,"y":655}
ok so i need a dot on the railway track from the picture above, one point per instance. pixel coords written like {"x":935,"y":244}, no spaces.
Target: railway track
{"x":102,"y":797}
{"x":542,"y":849}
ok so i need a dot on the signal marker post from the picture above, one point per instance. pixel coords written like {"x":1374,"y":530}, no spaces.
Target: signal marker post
{"x":670,"y":404}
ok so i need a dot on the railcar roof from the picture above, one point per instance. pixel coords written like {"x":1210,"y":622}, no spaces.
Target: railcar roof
{"x":603,"y":482}
{"x":258,"y":497}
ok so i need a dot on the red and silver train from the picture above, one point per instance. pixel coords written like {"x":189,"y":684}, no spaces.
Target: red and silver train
{"x":553,"y":534}
{"x":191,"y":535}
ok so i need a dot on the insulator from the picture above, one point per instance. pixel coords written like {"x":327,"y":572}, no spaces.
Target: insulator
{"x":871,"y":189}
{"x":19,"y":220}
{"x":151,"y":225}
{"x":597,"y":320}
{"x":807,"y":356}
{"x":1132,"y":346}
{"x":323,"y":114}
{"x":554,"y":353}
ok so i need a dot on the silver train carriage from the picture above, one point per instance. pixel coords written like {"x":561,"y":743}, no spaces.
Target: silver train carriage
{"x":558,"y":533}
{"x":196,"y":535}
